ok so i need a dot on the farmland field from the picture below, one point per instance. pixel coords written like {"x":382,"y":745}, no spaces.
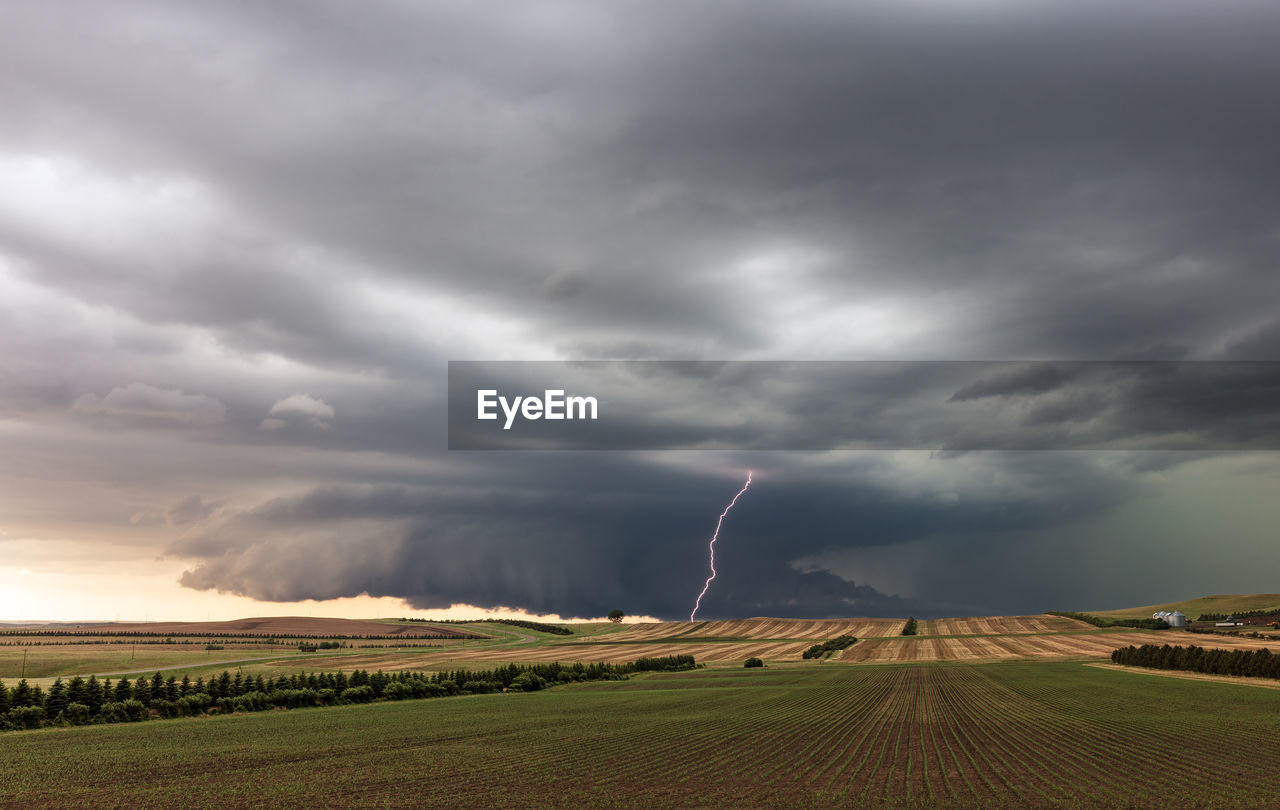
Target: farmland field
{"x":712,"y":642}
{"x":1000,"y":625}
{"x":1057,"y":645}
{"x":1024,"y":734}
{"x":804,"y":629}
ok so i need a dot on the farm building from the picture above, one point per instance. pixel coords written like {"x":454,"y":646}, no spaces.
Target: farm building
{"x":1175,"y":618}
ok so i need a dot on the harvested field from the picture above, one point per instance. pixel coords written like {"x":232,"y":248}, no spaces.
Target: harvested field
{"x":710,"y":652}
{"x":1000,"y":625}
{"x":815,"y":629}
{"x":1093,"y":645}
{"x":996,"y":735}
{"x":278,"y":626}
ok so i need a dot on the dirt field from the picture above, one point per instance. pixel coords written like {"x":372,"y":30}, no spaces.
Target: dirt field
{"x":1000,"y":625}
{"x":292,"y":626}
{"x":1050,"y":646}
{"x":815,"y":629}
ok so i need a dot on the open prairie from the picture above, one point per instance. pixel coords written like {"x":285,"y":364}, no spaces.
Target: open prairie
{"x":1028,"y":734}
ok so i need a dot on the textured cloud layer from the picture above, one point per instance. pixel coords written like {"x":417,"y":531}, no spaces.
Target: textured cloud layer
{"x":238,"y":244}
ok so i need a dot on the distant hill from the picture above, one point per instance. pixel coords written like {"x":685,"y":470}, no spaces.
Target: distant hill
{"x":1220,"y":603}
{"x":289,"y":626}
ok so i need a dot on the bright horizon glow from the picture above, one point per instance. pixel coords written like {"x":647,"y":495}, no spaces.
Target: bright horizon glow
{"x":28,"y":595}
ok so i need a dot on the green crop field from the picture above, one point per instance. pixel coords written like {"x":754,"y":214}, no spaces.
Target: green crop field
{"x":981,"y":735}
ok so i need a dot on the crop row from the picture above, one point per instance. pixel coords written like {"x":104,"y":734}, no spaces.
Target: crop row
{"x":1022,"y":734}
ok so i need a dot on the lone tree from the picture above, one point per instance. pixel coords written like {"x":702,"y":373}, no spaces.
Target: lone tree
{"x":615,"y":616}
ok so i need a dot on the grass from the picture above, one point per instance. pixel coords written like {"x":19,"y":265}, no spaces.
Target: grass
{"x":1014,"y":734}
{"x":1221,"y":603}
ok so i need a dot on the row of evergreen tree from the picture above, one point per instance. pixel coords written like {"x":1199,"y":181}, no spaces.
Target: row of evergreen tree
{"x":541,"y":627}
{"x":829,"y":646}
{"x":1248,"y":663}
{"x":82,"y":701}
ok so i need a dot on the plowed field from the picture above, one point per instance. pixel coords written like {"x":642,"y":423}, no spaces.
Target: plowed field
{"x":1050,"y":646}
{"x":1000,"y":625}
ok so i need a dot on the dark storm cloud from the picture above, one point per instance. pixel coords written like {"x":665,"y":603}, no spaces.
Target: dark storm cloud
{"x":817,"y":405}
{"x":578,"y":535}
{"x":210,"y":211}
{"x":1080,"y":205}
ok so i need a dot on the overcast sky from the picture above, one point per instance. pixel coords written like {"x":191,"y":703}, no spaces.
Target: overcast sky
{"x":239,"y":242}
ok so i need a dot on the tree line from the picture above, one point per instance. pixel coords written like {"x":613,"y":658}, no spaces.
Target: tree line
{"x":1213,"y":631}
{"x":831,"y":645}
{"x":542,"y":627}
{"x":1247,"y":663}
{"x":1240,"y":614}
{"x":82,"y":701}
{"x":1100,"y":621}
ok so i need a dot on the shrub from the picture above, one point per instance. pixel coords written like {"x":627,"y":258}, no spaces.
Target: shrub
{"x":528,"y":682}
{"x":192,"y":705}
{"x":77,"y":714}
{"x":26,"y":716}
{"x":113,"y":712}
{"x":753,"y":662}
{"x":357,"y":694}
{"x":252,"y":702}
{"x":135,"y":710}
{"x":166,"y":708}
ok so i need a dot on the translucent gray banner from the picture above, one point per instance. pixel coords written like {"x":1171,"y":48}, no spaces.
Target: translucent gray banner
{"x":885,"y":405}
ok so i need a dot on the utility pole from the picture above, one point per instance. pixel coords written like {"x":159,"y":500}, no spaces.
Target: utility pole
{"x":24,"y":663}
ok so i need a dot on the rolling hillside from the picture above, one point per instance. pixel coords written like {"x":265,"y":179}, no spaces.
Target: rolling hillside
{"x":1220,"y":603}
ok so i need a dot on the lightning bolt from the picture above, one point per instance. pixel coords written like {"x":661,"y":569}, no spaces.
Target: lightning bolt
{"x":712,"y":546}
